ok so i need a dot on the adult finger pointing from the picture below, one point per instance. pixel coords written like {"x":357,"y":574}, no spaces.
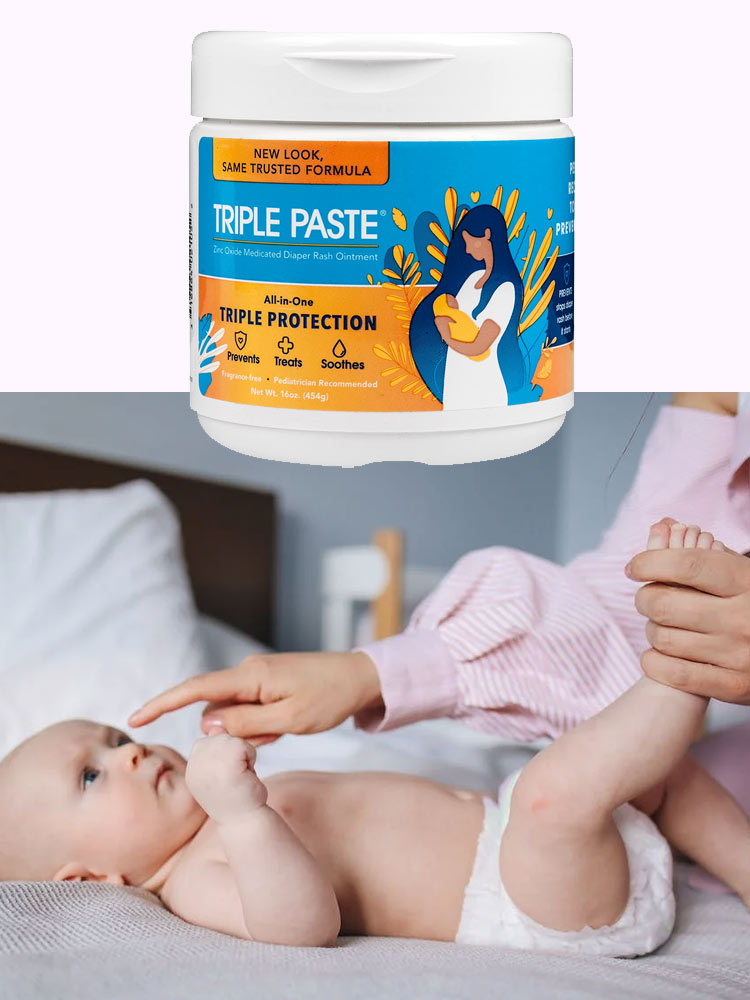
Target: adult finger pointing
{"x":220,"y":685}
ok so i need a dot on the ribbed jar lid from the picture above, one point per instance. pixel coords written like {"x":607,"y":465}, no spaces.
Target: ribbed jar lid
{"x":494,"y":77}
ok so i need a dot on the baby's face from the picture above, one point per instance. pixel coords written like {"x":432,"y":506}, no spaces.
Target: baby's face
{"x":84,"y":800}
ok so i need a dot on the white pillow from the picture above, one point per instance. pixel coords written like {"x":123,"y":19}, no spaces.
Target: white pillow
{"x":96,"y":613}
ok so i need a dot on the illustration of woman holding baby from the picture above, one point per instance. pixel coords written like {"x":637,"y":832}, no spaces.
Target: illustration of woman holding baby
{"x":464,"y":334}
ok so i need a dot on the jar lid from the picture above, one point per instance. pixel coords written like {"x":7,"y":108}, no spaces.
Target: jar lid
{"x":463,"y":77}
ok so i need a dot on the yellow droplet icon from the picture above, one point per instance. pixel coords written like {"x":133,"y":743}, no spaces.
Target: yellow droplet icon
{"x":339,"y":350}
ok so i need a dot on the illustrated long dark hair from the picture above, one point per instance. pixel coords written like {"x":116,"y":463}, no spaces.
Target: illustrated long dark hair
{"x":428,"y":348}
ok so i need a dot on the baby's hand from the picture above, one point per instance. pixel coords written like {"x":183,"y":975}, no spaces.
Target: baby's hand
{"x":221,"y":777}
{"x":671,"y":534}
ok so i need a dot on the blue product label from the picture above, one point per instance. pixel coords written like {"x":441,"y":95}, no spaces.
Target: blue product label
{"x":404,"y":275}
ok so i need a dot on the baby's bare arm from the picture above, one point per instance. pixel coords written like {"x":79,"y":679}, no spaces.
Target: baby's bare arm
{"x":286,"y":898}
{"x":271,"y":880}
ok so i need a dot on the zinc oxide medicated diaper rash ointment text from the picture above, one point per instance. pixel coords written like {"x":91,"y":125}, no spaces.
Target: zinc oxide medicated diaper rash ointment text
{"x":381,"y":244}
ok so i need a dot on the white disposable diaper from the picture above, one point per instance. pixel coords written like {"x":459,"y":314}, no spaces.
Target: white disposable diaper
{"x":489,"y":916}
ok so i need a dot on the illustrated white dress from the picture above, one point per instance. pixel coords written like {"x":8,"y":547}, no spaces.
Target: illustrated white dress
{"x":470,"y":384}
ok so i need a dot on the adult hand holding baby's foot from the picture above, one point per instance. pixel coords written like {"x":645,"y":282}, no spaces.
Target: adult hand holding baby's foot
{"x":221,"y":777}
{"x":671,"y":534}
{"x":698,"y":606}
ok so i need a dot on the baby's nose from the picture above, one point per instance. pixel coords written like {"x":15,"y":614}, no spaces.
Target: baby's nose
{"x":134,"y":754}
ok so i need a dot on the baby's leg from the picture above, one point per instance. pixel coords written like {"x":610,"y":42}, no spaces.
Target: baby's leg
{"x":701,"y":819}
{"x":694,"y":811}
{"x":562,"y":859}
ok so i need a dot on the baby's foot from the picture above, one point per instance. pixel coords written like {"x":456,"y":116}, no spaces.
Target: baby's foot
{"x":671,"y":534}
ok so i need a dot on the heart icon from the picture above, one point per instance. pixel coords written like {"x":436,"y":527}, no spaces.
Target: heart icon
{"x":240,"y":339}
{"x":475,"y":196}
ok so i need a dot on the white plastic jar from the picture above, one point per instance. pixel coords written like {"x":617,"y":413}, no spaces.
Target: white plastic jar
{"x":381,"y":244}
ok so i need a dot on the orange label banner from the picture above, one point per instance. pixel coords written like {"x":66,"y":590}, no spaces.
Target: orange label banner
{"x":300,"y":162}
{"x":311,"y":348}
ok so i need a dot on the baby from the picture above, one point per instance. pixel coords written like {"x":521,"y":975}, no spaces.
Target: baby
{"x":574,"y":856}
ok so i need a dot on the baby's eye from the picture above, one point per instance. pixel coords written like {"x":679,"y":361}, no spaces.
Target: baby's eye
{"x":89,"y":775}
{"x":122,"y":739}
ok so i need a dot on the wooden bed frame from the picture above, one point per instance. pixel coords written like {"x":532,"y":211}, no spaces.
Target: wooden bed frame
{"x":229,"y":532}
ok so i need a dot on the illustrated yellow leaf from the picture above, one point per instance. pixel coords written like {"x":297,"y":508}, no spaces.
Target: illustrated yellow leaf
{"x":399,"y":218}
{"x":529,"y":295}
{"x":369,"y":278}
{"x":437,"y":254}
{"x":451,"y":204}
{"x":497,"y":197}
{"x":391,"y":274}
{"x":463,"y":213}
{"x":403,"y":367}
{"x":407,"y":262}
{"x":537,"y":310}
{"x":540,"y":255}
{"x":543,"y":371}
{"x":437,"y":230}
{"x":414,"y":267}
{"x":398,"y":254}
{"x":527,"y":258}
{"x":518,"y":226}
{"x":434,"y":273}
{"x":511,"y":206}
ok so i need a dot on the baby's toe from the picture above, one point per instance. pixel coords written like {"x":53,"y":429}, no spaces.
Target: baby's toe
{"x":719,"y":547}
{"x":658,"y":536}
{"x":705,"y":540}
{"x":692,"y":534}
{"x":677,"y":536}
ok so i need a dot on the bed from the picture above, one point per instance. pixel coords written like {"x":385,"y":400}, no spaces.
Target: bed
{"x":70,"y":940}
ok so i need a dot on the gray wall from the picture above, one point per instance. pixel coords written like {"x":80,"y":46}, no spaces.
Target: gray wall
{"x":603,"y":437}
{"x":553,"y":501}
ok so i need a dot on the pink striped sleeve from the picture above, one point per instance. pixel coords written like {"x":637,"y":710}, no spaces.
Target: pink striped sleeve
{"x":510,"y":643}
{"x":521,"y":647}
{"x":693,"y":468}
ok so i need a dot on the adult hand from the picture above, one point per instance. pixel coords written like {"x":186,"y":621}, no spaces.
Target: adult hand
{"x":698,"y":606}
{"x":267,"y":695}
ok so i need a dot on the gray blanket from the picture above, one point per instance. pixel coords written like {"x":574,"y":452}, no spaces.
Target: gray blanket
{"x":90,"y":942}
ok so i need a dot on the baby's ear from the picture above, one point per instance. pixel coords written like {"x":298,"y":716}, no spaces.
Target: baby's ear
{"x":74,"y":872}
